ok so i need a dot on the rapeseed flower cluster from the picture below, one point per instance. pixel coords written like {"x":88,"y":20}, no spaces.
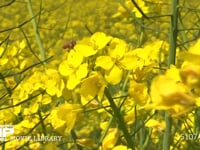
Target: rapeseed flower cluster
{"x":107,"y":91}
{"x":96,"y":63}
{"x":128,"y":7}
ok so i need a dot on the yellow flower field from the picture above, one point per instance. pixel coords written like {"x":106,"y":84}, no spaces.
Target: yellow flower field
{"x":99,"y":75}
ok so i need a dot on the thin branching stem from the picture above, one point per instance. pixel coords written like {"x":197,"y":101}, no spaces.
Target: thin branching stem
{"x":35,"y":27}
{"x":120,"y":120}
{"x":172,"y":59}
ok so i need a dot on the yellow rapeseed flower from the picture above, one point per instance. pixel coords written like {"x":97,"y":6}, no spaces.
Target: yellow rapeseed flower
{"x":116,"y":61}
{"x":168,"y":94}
{"x":85,"y":142}
{"x":139,"y":92}
{"x":142,"y":6}
{"x":193,"y":54}
{"x":74,"y":69}
{"x":111,"y":138}
{"x":190,"y":75}
{"x":90,"y":46}
{"x":92,"y":86}
{"x":130,"y":116}
{"x":121,"y":147}
{"x":100,"y":40}
{"x":7,"y":116}
{"x":53,"y":83}
{"x":156,"y":125}
{"x":122,"y":10}
{"x":64,"y":122}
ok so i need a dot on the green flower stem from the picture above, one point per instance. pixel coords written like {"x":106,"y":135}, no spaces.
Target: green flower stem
{"x":42,"y":122}
{"x":183,"y":33}
{"x":142,"y":133}
{"x":35,"y":27}
{"x":120,"y":120}
{"x":167,"y":134}
{"x":197,"y":121}
{"x":105,"y":131}
{"x":173,"y":33}
{"x":172,"y":59}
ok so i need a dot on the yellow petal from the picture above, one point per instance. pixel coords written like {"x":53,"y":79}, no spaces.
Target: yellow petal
{"x":92,"y":86}
{"x":190,"y":75}
{"x":84,"y":50}
{"x":57,"y":123}
{"x":194,"y":58}
{"x":51,"y":91}
{"x":104,"y":62}
{"x":82,"y":71}
{"x":130,"y":117}
{"x":173,"y":73}
{"x":74,"y":59}
{"x":2,"y":50}
{"x":85,"y":142}
{"x":170,"y":93}
{"x":100,"y":40}
{"x":114,"y":76}
{"x":156,"y":125}
{"x":139,"y":92}
{"x":46,"y":99}
{"x":3,"y":61}
{"x":110,"y":139}
{"x":129,"y":61}
{"x":198,"y":101}
{"x":34,"y":107}
{"x":117,"y":48}
{"x":13,"y":51}
{"x":120,"y":147}
{"x":89,"y":88}
{"x":72,"y":82}
{"x":27,"y":124}
{"x":65,"y":69}
{"x":60,"y":87}
{"x":71,"y":116}
{"x":22,"y":44}
{"x":195,"y":49}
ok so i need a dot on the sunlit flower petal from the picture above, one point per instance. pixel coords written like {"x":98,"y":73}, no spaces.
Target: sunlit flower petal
{"x":65,"y":69}
{"x":92,"y":86}
{"x":82,"y":71}
{"x":156,"y":125}
{"x":74,"y":59}
{"x":117,"y":48}
{"x":100,"y":40}
{"x":167,"y":94}
{"x":84,"y":50}
{"x":129,"y":61}
{"x":139,"y":92}
{"x":72,"y":81}
{"x":110,"y":139}
{"x":120,"y":147}
{"x":69,"y":118}
{"x":114,"y":76}
{"x":64,"y":122}
{"x":104,"y":62}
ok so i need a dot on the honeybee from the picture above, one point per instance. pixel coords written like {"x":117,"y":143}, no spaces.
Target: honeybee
{"x":69,"y":44}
